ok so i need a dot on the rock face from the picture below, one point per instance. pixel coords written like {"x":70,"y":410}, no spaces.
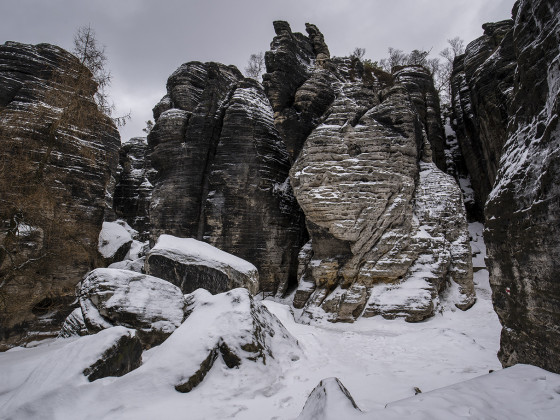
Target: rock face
{"x":134,"y":189}
{"x":58,"y":158}
{"x":482,"y":83}
{"x":222,"y":171}
{"x":357,"y":178}
{"x":192,"y":264}
{"x":523,"y":209}
{"x":109,"y":297}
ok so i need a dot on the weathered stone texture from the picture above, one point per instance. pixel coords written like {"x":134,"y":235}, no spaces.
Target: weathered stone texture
{"x":523,"y":209}
{"x":222,"y":171}
{"x":57,"y":163}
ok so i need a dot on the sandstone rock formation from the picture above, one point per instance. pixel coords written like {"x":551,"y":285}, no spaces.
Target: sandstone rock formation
{"x":482,"y":83}
{"x":192,"y":264}
{"x":58,"y":158}
{"x":133,"y":191}
{"x":523,"y":209}
{"x":357,"y":179}
{"x":222,"y":171}
{"x":109,"y":297}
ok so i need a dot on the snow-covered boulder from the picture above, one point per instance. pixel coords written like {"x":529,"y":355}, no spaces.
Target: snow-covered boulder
{"x":151,"y":305}
{"x":192,"y":264}
{"x":114,"y":242}
{"x":229,"y":325}
{"x":34,"y":377}
{"x":330,"y":400}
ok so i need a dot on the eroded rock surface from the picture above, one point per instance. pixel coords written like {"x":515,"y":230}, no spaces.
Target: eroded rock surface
{"x":222,"y":171}
{"x":192,"y":264}
{"x":58,"y":158}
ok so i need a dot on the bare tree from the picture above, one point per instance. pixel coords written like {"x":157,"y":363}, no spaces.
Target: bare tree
{"x":396,"y":58}
{"x":358,"y":53}
{"x":255,"y":66}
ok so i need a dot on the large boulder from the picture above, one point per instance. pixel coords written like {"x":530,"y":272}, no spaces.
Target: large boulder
{"x":523,"y":209}
{"x":58,"y":158}
{"x":222,"y":171}
{"x":192,"y":264}
{"x":109,"y":297}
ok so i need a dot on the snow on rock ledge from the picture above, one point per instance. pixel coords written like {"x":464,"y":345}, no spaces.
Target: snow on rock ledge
{"x":192,"y":264}
{"x":111,"y":297}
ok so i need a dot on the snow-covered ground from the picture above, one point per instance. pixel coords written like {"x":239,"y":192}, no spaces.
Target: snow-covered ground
{"x":379,"y":361}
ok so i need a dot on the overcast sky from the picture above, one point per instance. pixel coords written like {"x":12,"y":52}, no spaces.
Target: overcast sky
{"x":146,"y":40}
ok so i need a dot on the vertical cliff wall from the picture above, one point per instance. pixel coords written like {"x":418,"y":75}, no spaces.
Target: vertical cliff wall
{"x":482,"y":85}
{"x":506,"y":101}
{"x":57,"y":163}
{"x":523,"y":209}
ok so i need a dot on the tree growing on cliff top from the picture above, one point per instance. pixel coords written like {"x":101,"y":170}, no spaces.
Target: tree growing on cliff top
{"x":255,"y":66}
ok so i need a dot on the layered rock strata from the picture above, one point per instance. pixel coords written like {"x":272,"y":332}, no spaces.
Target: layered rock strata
{"x":523,"y":209}
{"x":482,"y":85}
{"x":57,"y":162}
{"x":369,"y":210}
{"x":222,"y":171}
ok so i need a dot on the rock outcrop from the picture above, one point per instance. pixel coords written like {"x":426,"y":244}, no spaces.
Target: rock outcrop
{"x":523,"y":209}
{"x":222,"y":171}
{"x":192,"y":264}
{"x":482,"y":83}
{"x":357,"y":179}
{"x":58,"y":158}
{"x":133,"y":191}
{"x":330,"y":400}
{"x":110,"y":297}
